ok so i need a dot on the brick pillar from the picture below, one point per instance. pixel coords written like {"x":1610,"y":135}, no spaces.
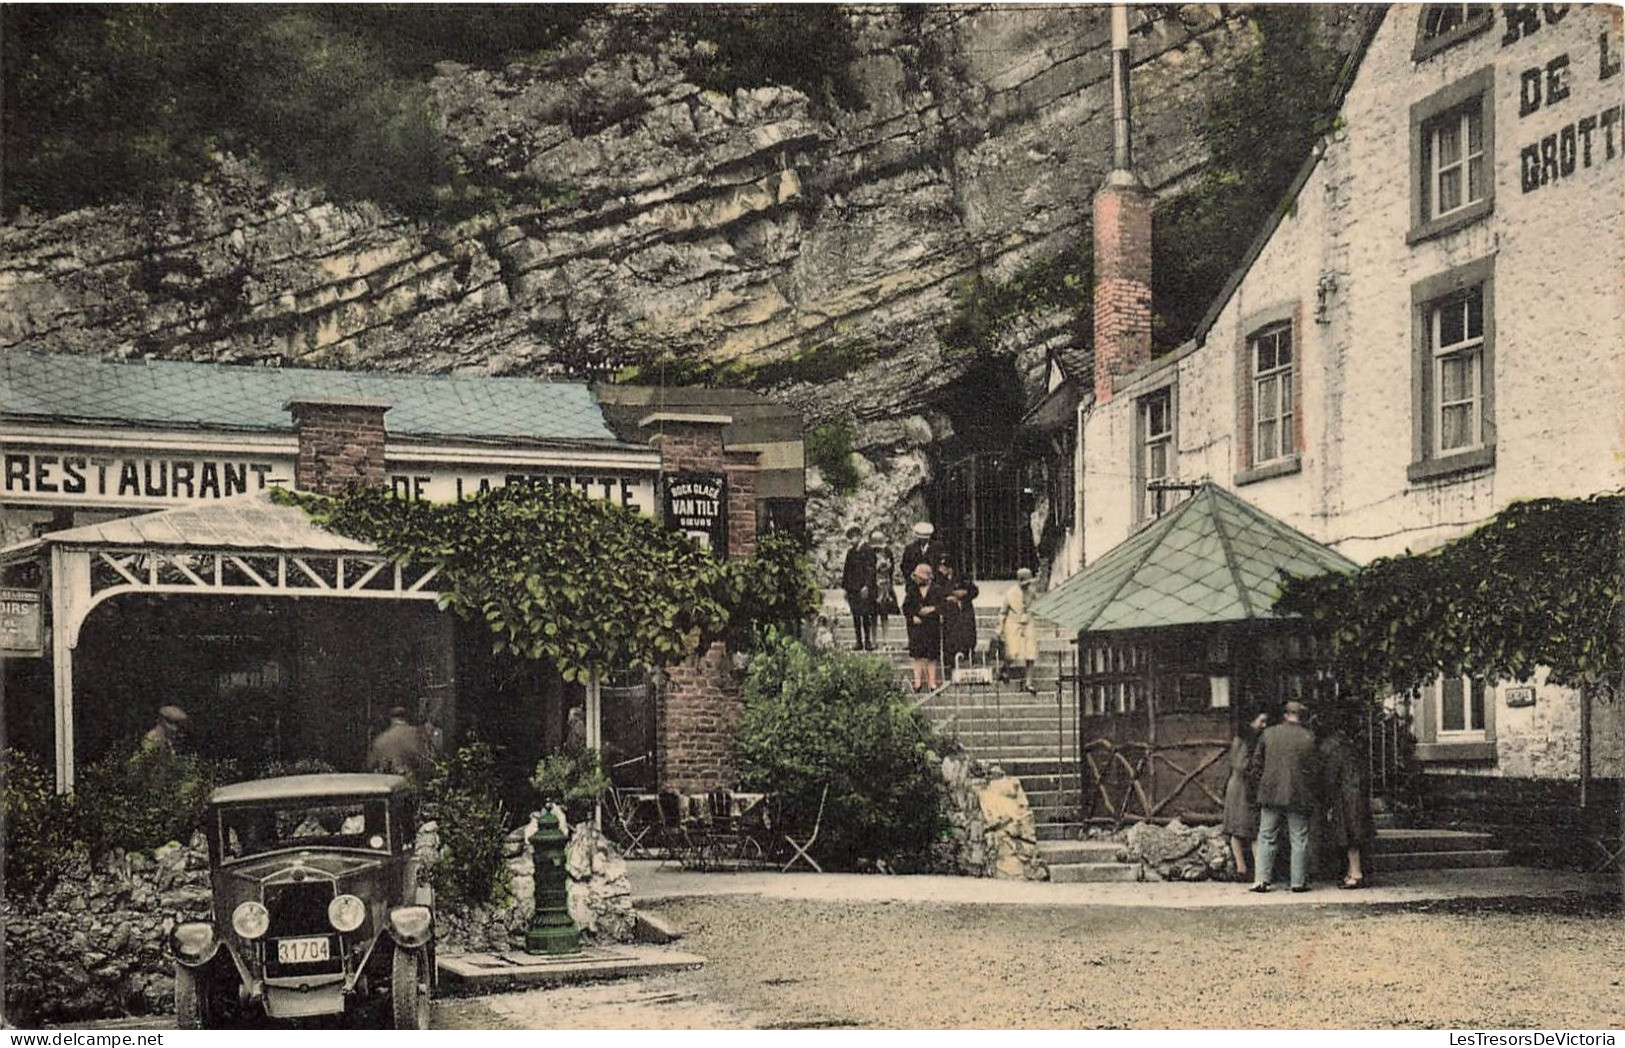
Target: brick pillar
{"x":1122,"y":220}
{"x":700,"y":701}
{"x":341,"y":443}
{"x":742,"y":469}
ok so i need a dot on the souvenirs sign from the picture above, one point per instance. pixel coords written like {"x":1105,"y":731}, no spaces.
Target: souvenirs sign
{"x":22,"y":626}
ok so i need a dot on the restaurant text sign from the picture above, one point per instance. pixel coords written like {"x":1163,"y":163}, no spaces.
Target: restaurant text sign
{"x":79,"y":477}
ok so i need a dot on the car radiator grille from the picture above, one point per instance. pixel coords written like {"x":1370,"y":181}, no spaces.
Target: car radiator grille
{"x":299,"y":911}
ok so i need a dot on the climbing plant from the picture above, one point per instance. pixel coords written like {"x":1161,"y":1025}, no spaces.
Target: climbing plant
{"x":1539,"y":585}
{"x":585,"y":584}
{"x":984,"y":309}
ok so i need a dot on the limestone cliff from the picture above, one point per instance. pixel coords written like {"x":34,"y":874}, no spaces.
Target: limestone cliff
{"x":663,"y":220}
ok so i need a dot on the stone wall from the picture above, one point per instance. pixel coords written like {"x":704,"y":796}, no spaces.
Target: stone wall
{"x":993,"y":830}
{"x":96,"y":945}
{"x":1177,"y":852}
{"x":600,"y":896}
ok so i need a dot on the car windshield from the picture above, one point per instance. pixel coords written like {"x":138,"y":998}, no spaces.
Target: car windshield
{"x":252,"y":829}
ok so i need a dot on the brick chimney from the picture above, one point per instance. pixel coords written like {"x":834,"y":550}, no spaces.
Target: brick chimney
{"x":341,"y":443}
{"x":1122,"y":222}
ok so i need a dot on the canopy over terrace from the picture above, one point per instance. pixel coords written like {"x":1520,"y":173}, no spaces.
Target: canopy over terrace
{"x":1170,"y":623}
{"x":246,"y":545}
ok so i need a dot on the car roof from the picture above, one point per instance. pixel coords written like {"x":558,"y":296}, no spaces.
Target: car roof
{"x":308,"y":787}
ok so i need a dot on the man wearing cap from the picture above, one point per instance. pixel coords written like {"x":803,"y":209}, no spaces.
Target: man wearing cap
{"x":858,"y":581}
{"x":1284,"y":769}
{"x":166,"y":734}
{"x":925,"y":549}
{"x":1016,"y":630}
{"x":400,"y":749}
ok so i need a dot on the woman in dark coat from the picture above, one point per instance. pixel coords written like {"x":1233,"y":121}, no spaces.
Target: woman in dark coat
{"x":958,"y":614}
{"x":922,"y":611}
{"x":1349,"y":827}
{"x":1240,"y":813}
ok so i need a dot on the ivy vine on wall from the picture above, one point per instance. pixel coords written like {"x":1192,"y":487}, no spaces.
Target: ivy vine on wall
{"x":1538,"y":585}
{"x":587,"y":585}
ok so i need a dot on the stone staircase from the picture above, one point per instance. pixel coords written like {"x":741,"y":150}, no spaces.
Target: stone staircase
{"x":1401,"y":849}
{"x":1031,"y":735}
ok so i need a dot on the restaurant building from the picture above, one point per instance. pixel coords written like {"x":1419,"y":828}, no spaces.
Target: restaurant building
{"x":145,"y":565}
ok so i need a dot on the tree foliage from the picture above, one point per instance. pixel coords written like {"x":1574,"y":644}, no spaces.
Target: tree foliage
{"x":813,"y":719}
{"x":588,"y":585}
{"x":1539,"y":585}
{"x":1259,"y":131}
{"x":109,"y":102}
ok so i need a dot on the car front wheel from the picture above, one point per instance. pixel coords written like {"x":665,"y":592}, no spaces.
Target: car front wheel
{"x":409,"y":989}
{"x":189,"y":999}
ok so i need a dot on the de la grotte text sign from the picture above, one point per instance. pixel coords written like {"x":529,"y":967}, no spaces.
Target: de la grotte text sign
{"x":22,"y":624}
{"x":631,"y":490}
{"x":696,"y":504}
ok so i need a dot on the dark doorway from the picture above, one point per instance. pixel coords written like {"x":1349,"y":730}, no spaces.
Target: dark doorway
{"x":980,"y":501}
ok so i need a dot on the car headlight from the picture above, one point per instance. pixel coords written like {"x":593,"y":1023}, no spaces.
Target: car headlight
{"x":193,"y":941}
{"x":250,"y":920}
{"x":410,"y":925}
{"x":345,"y":913}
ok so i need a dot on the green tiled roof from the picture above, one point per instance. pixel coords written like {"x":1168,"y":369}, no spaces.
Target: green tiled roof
{"x":1212,"y":558}
{"x":39,"y":386}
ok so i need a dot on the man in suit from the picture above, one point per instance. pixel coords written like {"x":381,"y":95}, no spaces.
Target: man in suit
{"x":925,"y":549}
{"x":858,"y":581}
{"x":1284,"y":769}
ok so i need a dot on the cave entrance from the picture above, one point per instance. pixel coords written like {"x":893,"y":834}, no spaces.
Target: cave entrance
{"x":980,"y":501}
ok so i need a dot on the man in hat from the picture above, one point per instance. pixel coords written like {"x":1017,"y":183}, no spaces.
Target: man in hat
{"x":166,"y":734}
{"x":400,"y":748}
{"x":1016,"y":630}
{"x":1284,"y":770}
{"x":925,"y":549}
{"x":858,"y":581}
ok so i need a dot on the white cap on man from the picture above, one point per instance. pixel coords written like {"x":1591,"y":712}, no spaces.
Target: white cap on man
{"x":924,"y":529}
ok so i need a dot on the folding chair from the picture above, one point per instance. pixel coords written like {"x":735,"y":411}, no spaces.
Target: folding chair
{"x":675,"y":841}
{"x":803,"y":846}
{"x":632,"y":825}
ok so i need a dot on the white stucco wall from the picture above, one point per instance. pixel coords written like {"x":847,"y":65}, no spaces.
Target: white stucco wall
{"x":1559,"y":335}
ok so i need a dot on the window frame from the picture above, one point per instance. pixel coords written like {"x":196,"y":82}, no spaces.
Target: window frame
{"x":1250,"y":468}
{"x":1475,"y":91}
{"x":1434,"y":743}
{"x":1426,"y":46}
{"x":1428,"y":460}
{"x":1142,"y":448}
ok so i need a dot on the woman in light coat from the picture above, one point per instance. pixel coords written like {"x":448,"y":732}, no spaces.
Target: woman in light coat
{"x":1016,"y":629}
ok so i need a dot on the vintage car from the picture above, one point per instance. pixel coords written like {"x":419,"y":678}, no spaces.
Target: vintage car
{"x":317,"y":908}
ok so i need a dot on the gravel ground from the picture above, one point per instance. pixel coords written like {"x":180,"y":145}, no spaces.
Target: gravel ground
{"x":777,"y":964}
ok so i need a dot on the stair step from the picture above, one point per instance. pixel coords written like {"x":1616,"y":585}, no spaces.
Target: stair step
{"x":1392,"y":842}
{"x":1060,"y":830}
{"x":1068,"y":852}
{"x":1438,"y":860}
{"x":1093,"y":872}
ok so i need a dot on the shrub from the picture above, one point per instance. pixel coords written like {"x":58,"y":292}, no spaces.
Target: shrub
{"x":37,"y":824}
{"x":139,"y":799}
{"x":829,"y":447}
{"x":815,"y":718}
{"x":462,"y":797}
{"x":770,"y":592}
{"x":574,"y":781}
